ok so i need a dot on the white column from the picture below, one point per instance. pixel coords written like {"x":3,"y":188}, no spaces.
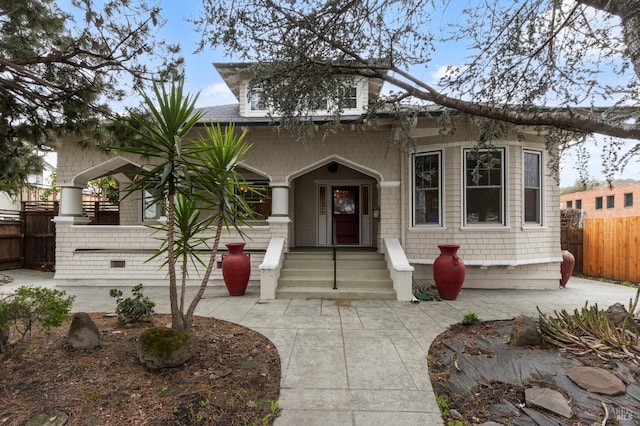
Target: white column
{"x":279,"y":200}
{"x":70,"y":201}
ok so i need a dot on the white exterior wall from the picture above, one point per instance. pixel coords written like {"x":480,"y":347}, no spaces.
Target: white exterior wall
{"x":512,"y":256}
{"x":84,"y":255}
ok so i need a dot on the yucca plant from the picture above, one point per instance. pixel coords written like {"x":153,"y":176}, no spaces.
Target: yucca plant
{"x":196,"y":179}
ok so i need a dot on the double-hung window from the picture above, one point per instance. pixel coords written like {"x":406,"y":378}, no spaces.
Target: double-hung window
{"x":484,"y":187}
{"x":532,"y":179}
{"x":427,"y":184}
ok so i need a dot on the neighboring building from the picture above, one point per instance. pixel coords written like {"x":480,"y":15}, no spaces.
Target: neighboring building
{"x":623,"y":200}
{"x":10,"y":206}
{"x":402,"y":204}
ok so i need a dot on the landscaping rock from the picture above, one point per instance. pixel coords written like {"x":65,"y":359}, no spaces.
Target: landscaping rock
{"x":525,"y":332}
{"x":548,"y":399}
{"x":596,"y":380}
{"x":44,"y":419}
{"x":83,"y":332}
{"x":620,"y":316}
{"x":161,"y":347}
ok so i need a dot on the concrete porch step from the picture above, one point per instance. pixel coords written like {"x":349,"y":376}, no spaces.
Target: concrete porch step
{"x":340,"y":293}
{"x":327,"y":282}
{"x":341,"y":265}
{"x":341,"y":274}
{"x":360,"y":273}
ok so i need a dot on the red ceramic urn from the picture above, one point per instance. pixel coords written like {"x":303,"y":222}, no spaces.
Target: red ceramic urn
{"x":566,"y":267}
{"x":236,"y":268}
{"x":448,"y":272}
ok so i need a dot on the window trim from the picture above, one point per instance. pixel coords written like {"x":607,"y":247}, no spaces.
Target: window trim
{"x":440,"y":157}
{"x":503,"y":189}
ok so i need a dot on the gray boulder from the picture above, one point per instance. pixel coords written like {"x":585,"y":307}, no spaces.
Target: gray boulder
{"x":83,"y":333}
{"x":161,"y":347}
{"x":621,"y":317}
{"x":525,"y":332}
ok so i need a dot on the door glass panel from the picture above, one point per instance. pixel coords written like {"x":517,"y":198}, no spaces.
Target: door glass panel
{"x":344,"y":201}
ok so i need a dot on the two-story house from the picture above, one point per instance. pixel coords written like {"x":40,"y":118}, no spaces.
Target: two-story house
{"x":397,"y":204}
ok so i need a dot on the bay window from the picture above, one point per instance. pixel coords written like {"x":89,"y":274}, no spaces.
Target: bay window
{"x":484,"y":187}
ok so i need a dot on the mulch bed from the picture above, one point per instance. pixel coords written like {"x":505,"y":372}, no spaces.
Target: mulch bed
{"x":478,"y":377}
{"x":234,"y":378}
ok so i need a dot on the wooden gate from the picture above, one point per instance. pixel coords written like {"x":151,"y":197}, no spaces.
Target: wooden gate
{"x":571,"y":239}
{"x":39,"y":234}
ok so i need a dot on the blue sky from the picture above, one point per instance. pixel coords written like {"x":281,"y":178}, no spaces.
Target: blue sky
{"x":201,"y":76}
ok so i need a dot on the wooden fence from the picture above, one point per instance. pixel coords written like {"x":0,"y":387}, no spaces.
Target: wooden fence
{"x":611,"y":248}
{"x":10,"y":244}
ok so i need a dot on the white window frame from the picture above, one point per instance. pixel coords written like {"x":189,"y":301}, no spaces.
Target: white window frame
{"x":414,"y":190}
{"x":360,"y":85}
{"x":540,"y":221}
{"x":503,"y":188}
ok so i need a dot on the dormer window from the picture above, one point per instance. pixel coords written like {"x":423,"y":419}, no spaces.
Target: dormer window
{"x":349,"y":97}
{"x":347,"y":101}
{"x":257,"y":100}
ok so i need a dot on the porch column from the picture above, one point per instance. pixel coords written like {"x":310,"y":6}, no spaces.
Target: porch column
{"x":279,"y":219}
{"x":70,"y":201}
{"x":279,"y":200}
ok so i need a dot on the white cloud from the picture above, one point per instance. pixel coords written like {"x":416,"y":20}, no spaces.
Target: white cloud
{"x":216,"y":94}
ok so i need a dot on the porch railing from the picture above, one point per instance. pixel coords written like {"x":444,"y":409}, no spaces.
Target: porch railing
{"x":335,"y":249}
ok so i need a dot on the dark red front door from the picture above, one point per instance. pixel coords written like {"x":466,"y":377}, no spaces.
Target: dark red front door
{"x":346,"y":214}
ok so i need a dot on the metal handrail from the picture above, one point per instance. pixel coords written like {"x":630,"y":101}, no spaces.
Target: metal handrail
{"x":333,"y":226}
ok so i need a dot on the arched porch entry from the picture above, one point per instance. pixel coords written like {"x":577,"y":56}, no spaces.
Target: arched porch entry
{"x":335,"y":193}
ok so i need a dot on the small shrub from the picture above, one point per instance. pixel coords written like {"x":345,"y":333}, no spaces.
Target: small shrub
{"x":131,"y":310}
{"x":30,"y":306}
{"x":470,"y":318}
{"x":443,"y":404}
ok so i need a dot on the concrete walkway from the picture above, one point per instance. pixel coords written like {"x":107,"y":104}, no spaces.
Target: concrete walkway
{"x":354,"y":362}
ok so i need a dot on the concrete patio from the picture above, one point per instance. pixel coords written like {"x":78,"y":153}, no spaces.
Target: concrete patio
{"x":353,"y":362}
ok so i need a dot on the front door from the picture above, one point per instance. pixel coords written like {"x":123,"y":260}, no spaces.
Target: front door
{"x":346,"y":214}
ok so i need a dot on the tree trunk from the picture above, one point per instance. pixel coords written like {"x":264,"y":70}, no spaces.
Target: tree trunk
{"x":188,"y":318}
{"x":177,"y":321}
